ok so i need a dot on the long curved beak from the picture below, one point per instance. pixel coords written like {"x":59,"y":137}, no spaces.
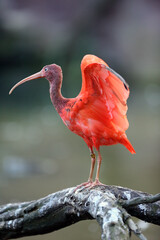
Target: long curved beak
{"x":32,"y":77}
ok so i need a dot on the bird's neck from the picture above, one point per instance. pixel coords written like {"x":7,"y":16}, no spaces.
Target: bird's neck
{"x":57,"y":99}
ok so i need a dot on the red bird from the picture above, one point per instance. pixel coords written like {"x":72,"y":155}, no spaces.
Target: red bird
{"x":98,"y":113}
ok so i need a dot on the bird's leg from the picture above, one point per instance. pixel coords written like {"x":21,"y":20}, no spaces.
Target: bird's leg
{"x":97,"y":182}
{"x":90,"y":179}
{"x":99,"y":160}
{"x":93,"y":159}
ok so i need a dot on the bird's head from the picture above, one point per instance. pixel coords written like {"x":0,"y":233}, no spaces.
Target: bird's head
{"x":52,"y":72}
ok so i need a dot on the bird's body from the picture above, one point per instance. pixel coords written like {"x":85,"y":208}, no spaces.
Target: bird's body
{"x":98,"y":113}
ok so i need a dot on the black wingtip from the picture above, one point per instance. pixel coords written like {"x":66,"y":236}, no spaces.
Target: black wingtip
{"x":120,"y":77}
{"x":126,"y":87}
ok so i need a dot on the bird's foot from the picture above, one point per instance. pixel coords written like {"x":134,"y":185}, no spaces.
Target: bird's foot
{"x":89,"y":184}
{"x":96,"y":183}
{"x":85,"y":184}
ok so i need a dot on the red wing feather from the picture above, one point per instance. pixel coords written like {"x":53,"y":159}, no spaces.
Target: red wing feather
{"x":103,"y":77}
{"x":111,"y":88}
{"x":87,"y":60}
{"x":98,"y":113}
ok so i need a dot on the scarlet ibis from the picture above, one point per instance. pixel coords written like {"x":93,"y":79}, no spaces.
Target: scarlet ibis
{"x":98,"y":113}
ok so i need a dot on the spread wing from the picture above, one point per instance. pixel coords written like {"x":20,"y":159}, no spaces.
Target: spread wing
{"x":110,"y":89}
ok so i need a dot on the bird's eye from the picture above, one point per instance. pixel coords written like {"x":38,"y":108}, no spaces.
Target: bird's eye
{"x":46,"y":69}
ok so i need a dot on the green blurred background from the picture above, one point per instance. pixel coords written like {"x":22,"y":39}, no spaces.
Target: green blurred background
{"x":38,"y":154}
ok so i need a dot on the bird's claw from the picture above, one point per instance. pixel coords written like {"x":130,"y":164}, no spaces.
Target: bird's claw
{"x":96,"y":183}
{"x":85,"y":185}
{"x":89,"y":184}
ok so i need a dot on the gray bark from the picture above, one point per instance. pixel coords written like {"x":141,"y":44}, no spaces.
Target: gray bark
{"x":111,"y":206}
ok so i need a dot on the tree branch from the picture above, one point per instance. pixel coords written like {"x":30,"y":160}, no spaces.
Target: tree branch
{"x":140,"y":200}
{"x":109,"y":205}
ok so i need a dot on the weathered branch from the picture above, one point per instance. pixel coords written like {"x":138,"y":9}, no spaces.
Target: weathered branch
{"x":109,"y":205}
{"x":140,"y":200}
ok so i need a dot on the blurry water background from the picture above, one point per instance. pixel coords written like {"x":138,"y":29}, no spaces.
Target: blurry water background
{"x":38,"y":154}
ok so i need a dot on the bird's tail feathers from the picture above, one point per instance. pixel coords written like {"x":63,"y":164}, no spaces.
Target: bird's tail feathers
{"x":127,"y":144}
